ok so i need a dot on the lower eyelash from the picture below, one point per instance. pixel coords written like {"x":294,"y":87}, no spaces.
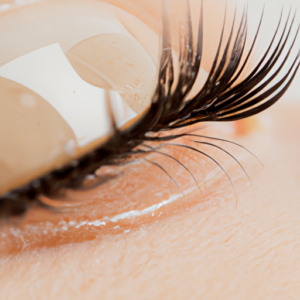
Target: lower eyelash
{"x":220,"y":99}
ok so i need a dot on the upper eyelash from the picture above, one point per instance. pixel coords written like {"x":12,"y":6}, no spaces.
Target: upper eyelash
{"x":220,"y":99}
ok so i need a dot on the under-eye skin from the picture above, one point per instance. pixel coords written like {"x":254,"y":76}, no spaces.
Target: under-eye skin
{"x":231,"y":92}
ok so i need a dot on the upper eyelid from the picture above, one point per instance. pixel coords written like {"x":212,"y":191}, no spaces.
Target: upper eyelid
{"x":138,"y":133}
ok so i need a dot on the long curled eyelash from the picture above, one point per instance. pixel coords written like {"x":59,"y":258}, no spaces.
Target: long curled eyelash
{"x":225,"y":96}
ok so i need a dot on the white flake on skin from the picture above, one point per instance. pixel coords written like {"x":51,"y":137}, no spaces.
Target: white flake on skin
{"x":44,"y":70}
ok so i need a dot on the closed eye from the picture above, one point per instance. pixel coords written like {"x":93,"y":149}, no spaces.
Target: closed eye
{"x":229,"y":93}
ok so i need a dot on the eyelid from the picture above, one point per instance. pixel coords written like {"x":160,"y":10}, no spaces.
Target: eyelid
{"x":136,"y":211}
{"x":139,"y":196}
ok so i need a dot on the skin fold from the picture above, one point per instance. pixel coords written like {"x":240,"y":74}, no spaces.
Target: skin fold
{"x":138,"y":237}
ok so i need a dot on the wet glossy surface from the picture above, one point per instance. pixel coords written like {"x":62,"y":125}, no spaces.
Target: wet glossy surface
{"x":60,"y":56}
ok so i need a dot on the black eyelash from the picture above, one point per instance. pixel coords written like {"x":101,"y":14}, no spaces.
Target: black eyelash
{"x":220,"y":99}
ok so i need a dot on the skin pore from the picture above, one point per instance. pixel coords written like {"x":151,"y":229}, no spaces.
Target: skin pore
{"x":205,"y":245}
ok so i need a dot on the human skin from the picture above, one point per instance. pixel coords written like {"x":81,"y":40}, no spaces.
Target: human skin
{"x":210,"y":246}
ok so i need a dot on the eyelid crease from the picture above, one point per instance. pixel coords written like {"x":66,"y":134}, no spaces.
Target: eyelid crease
{"x":107,"y":210}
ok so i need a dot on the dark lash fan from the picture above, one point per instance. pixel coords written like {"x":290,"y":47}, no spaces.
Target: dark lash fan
{"x":220,"y":99}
